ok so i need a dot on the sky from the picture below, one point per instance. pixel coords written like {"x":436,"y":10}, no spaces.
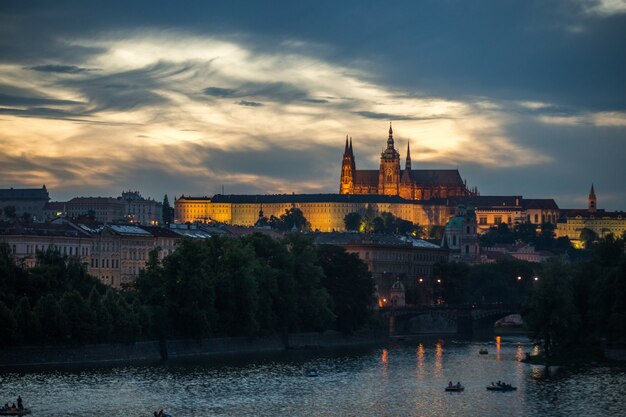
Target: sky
{"x":192,"y":97}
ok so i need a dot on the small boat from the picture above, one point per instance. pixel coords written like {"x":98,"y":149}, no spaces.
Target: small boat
{"x":312,"y":373}
{"x":455,"y":388}
{"x":501,"y":388}
{"x":14,"y":411}
{"x":483,"y":351}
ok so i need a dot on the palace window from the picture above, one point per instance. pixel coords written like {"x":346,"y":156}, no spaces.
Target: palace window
{"x":497,"y":219}
{"x":482,"y":220}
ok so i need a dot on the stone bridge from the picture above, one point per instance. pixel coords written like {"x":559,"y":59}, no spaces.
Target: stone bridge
{"x":462,"y":320}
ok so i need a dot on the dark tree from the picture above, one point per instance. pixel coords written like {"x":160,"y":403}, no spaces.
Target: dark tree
{"x":352,"y":221}
{"x":9,"y":212}
{"x":350,"y":284}
{"x":168,"y":211}
{"x":293,"y":218}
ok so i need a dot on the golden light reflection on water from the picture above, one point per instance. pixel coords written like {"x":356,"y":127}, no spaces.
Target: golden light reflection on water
{"x":439,"y":359}
{"x":420,"y":361}
{"x":498,"y":341}
{"x":537,"y":372}
{"x":384,"y":360}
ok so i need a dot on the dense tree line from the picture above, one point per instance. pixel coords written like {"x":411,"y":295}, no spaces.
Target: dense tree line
{"x":383,"y":223}
{"x":58,"y":302}
{"x":542,"y":237}
{"x":216,"y":287}
{"x":484,"y":283}
{"x":576,"y":306}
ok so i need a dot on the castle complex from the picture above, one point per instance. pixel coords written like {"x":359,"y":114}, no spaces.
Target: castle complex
{"x":389,"y":179}
{"x":428,"y":197}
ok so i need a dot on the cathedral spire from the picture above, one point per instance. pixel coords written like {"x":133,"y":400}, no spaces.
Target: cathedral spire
{"x":390,"y":140}
{"x":407,"y":166}
{"x":345,"y":151}
{"x":593,"y":204}
{"x":351,"y":154}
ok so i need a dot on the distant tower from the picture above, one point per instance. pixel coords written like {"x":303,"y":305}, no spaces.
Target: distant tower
{"x":407,"y":166}
{"x":592,"y":200}
{"x":348,"y":166}
{"x":389,"y":172}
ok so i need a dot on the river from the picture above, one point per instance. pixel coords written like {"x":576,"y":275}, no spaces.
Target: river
{"x":402,"y":379}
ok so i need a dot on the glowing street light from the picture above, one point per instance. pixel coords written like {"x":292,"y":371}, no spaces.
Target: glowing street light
{"x":421,"y":280}
{"x":519,"y":278}
{"x":438,"y":280}
{"x":536,"y":278}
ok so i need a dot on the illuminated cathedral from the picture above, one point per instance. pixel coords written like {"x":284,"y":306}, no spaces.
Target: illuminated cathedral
{"x":389,"y":179}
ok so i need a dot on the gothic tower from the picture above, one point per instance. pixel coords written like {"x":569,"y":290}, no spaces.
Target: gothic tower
{"x":389,"y":172}
{"x":348,"y":166}
{"x":592,"y":200}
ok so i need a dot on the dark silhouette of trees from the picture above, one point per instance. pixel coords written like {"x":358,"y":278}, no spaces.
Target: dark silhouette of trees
{"x":383,"y":223}
{"x":291,"y":219}
{"x":352,"y":221}
{"x":168,"y":211}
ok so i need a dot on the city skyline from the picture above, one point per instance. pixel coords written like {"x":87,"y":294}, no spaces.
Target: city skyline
{"x":525,"y":99}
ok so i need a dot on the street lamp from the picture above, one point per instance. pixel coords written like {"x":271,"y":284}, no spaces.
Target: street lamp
{"x":536,"y":278}
{"x":519,"y":278}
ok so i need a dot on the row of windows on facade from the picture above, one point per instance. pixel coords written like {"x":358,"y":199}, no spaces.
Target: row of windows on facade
{"x":65,"y":250}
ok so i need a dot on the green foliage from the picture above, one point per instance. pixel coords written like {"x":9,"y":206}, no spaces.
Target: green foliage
{"x":168,"y":211}
{"x":9,"y":325}
{"x":384,"y":223}
{"x":28,"y":327}
{"x":436,"y":232}
{"x":352,"y":221}
{"x":350,"y":285}
{"x":484,"y":283}
{"x":552,"y":315}
{"x":293,"y":218}
{"x":580,"y":304}
{"x":9,"y":212}
{"x":219,"y":286}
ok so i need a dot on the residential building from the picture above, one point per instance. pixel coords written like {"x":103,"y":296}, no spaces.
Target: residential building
{"x":140,"y":210}
{"x":391,"y":259}
{"x":102,"y":209}
{"x":599,"y":221}
{"x":29,"y":201}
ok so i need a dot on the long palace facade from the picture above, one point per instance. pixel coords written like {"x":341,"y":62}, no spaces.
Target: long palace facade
{"x":427,"y":197}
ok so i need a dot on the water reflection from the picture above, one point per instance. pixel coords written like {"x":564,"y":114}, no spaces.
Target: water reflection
{"x":420,"y":361}
{"x":399,"y":380}
{"x":439,"y":359}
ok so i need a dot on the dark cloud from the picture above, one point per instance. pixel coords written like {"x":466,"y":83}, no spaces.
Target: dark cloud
{"x":280,"y":92}
{"x":44,"y":112}
{"x":316,"y":100}
{"x":63,"y":69}
{"x":9,"y":100}
{"x":220,"y":92}
{"x":390,"y":116}
{"x":250,"y":103}
{"x":127,"y":90}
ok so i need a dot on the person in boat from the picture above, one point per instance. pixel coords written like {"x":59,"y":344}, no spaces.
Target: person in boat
{"x":458,"y":384}
{"x":499,"y":383}
{"x":450,"y":384}
{"x":6,"y":406}
{"x":20,"y":405}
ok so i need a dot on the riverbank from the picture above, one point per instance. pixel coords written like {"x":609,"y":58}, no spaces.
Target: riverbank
{"x":593,"y":355}
{"x":153,"y":352}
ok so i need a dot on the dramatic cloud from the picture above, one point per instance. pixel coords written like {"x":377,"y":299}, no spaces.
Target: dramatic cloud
{"x":63,"y":69}
{"x":95,"y":99}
